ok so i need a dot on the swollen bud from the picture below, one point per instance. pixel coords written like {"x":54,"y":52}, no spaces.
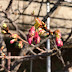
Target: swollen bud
{"x":12,"y":41}
{"x":4,"y":25}
{"x":3,"y":31}
{"x":33,"y":13}
{"x":37,"y":23}
{"x":36,"y":38}
{"x":20,"y":45}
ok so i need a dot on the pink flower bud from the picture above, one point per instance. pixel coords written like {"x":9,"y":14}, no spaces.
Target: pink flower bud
{"x":59,"y":42}
{"x":29,"y":39}
{"x":12,"y":41}
{"x":36,"y":38}
{"x":3,"y":31}
{"x":32,"y":31}
{"x":36,"y":33}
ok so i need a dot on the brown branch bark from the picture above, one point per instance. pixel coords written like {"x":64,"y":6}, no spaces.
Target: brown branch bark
{"x":28,"y":57}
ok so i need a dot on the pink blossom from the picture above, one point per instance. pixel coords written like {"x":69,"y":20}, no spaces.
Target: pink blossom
{"x":32,"y":31}
{"x":3,"y":31}
{"x":36,"y":38}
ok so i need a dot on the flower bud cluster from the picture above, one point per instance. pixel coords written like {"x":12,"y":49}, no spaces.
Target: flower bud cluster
{"x":39,"y":23}
{"x":13,"y":37}
{"x":14,"y":40}
{"x":40,"y":27}
{"x":5,"y":28}
{"x":33,"y":36}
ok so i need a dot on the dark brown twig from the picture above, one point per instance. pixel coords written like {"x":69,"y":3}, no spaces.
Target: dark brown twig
{"x":68,"y":36}
{"x":9,"y":5}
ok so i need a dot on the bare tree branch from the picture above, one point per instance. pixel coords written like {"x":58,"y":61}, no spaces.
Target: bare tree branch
{"x":9,"y":5}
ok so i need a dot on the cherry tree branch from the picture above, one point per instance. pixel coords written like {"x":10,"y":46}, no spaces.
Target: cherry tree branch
{"x":9,"y":5}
